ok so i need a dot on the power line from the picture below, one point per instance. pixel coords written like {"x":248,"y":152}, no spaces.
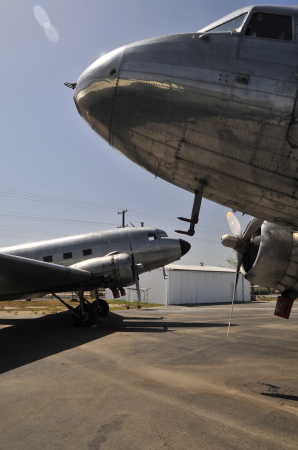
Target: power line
{"x":87,"y":205}
{"x":23,"y":216}
{"x":25,"y":230}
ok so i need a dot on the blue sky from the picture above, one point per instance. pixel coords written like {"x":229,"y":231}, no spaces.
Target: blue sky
{"x":57,"y":177}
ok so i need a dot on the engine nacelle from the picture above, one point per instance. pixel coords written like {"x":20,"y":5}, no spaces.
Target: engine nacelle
{"x":111,"y":271}
{"x":272,"y":259}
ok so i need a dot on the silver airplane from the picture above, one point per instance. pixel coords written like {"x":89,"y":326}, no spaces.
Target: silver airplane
{"x":214,"y":112}
{"x":106,"y":259}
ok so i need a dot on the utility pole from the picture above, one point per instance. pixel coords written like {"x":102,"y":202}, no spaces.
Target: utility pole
{"x":123,"y":218}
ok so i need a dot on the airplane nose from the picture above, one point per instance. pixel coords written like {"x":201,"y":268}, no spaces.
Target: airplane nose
{"x":185,"y":246}
{"x":95,"y":92}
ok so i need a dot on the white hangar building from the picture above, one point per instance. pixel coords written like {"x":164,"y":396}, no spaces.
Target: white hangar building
{"x":180,"y":284}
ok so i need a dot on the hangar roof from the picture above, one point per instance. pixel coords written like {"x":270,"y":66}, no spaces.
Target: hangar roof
{"x":199,"y":268}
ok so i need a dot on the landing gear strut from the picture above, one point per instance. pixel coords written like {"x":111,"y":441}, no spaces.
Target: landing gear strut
{"x":83,"y":315}
{"x":101,"y":306}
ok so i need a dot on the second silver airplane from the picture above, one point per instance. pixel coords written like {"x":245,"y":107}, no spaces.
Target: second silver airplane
{"x":106,"y":259}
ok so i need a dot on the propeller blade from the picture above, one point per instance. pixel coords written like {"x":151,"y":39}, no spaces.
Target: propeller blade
{"x":234,"y":224}
{"x":253,"y":226}
{"x":135,"y":268}
{"x":239,"y":262}
{"x":138,"y":287}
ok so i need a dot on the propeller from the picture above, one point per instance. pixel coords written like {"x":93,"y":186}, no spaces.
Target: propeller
{"x":138,"y":285}
{"x":135,"y":268}
{"x":240,"y":243}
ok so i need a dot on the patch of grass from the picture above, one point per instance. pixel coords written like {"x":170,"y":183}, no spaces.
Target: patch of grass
{"x":259,"y":291}
{"x":269,"y":299}
{"x":49,"y":306}
{"x":120,"y":305}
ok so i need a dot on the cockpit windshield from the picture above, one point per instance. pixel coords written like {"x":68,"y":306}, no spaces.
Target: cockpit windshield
{"x":231,"y":25}
{"x":163,"y":234}
{"x":270,"y":26}
{"x":262,"y":24}
{"x":157,"y":235}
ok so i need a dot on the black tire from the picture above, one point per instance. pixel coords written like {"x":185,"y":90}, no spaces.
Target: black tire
{"x":102,"y":308}
{"x":89,"y":317}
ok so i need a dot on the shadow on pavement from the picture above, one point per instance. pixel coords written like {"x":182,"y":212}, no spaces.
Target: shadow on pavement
{"x":284,"y":396}
{"x":26,"y":340}
{"x":118,"y":321}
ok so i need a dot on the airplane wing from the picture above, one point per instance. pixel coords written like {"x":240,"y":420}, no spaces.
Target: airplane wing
{"x":20,"y":276}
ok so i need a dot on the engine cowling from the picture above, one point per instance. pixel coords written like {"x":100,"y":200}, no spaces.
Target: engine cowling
{"x":111,"y":271}
{"x":272,"y":258}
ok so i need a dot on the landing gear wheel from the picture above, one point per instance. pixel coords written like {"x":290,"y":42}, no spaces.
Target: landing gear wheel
{"x":101,"y":307}
{"x":87,"y":319}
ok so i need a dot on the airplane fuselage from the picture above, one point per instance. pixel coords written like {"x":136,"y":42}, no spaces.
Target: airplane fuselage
{"x":107,"y":259}
{"x":151,"y":247}
{"x":218,"y":106}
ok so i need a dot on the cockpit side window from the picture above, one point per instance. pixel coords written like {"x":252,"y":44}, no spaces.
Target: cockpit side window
{"x":270,"y":26}
{"x":232,"y":25}
{"x":152,"y":236}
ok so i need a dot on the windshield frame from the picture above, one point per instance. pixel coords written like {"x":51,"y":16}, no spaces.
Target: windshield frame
{"x":250,"y":11}
{"x":223,"y":20}
{"x":231,"y":29}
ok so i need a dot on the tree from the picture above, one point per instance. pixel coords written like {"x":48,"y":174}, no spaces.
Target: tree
{"x":232,"y":260}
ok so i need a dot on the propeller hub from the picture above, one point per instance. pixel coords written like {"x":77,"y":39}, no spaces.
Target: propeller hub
{"x":229,"y":241}
{"x":184,"y":246}
{"x":237,"y":243}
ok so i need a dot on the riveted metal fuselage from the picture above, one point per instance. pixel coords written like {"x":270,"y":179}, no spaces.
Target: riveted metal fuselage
{"x":220,"y":107}
{"x":149,"y":247}
{"x":103,"y":259}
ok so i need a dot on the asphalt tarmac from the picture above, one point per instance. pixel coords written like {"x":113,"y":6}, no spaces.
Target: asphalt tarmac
{"x":161,"y":378}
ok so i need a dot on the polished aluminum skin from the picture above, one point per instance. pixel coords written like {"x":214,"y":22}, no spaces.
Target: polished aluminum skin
{"x":275,"y":264}
{"x":218,"y":105}
{"x":102,"y":259}
{"x":267,"y":254}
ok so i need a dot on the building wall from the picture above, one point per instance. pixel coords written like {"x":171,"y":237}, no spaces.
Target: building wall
{"x":183,"y":286}
{"x":156,"y":285}
{"x":205,"y":287}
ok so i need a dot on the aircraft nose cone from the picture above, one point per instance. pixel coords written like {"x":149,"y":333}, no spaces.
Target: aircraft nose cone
{"x":185,"y":246}
{"x":95,"y":92}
